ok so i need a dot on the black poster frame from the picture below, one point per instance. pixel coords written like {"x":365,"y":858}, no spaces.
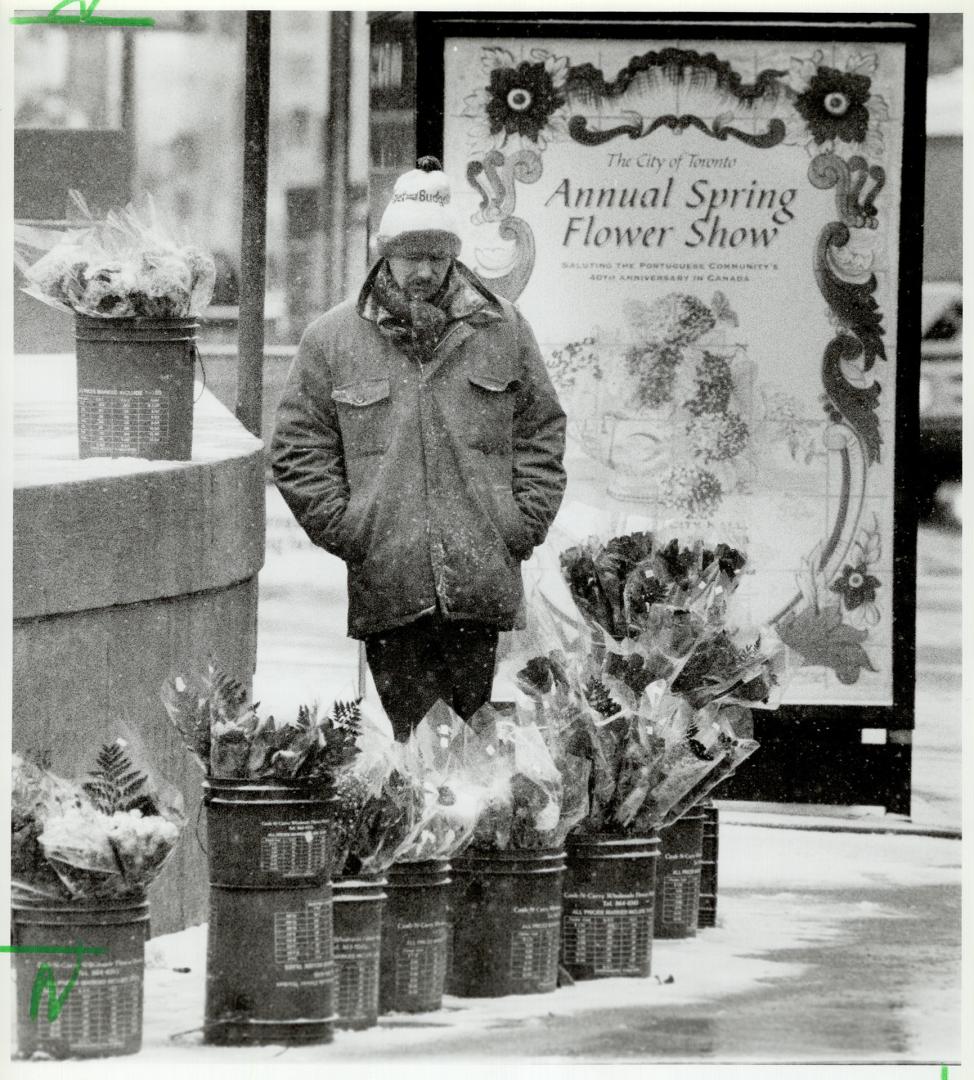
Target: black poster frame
{"x":810,"y":753}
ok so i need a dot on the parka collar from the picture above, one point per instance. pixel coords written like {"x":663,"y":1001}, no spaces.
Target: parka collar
{"x":468,"y":300}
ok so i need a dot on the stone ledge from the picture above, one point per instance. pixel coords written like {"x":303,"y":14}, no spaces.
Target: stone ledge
{"x":101,"y":532}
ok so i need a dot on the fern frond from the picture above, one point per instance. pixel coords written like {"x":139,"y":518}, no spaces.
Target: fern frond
{"x":115,"y":784}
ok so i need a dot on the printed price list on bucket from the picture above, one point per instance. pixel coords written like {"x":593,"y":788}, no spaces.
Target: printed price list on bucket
{"x":302,"y":937}
{"x":123,"y":420}
{"x":608,"y":942}
{"x":107,"y":1015}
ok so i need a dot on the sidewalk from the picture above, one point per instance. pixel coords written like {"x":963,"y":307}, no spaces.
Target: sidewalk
{"x":828,"y":948}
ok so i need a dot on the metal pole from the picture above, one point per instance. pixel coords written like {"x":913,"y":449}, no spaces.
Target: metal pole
{"x":253,"y":233}
{"x":339,"y":78}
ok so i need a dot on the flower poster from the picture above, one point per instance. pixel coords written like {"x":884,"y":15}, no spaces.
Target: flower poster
{"x":704,"y":236}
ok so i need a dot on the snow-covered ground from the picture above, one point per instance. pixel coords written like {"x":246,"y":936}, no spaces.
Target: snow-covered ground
{"x":787,"y":901}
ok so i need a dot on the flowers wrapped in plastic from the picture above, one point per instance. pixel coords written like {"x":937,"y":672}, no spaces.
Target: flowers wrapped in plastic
{"x":231,"y":740}
{"x":650,"y":688}
{"x":649,"y":602}
{"x":413,"y":801}
{"x":378,"y":805}
{"x":106,"y":837}
{"x":456,"y":776}
{"x":123,"y":266}
{"x":534,"y":801}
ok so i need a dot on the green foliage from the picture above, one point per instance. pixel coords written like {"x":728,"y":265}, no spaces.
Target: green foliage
{"x":116,"y":784}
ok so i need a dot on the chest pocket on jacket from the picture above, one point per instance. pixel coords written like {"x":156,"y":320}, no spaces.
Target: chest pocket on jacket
{"x":492,"y":419}
{"x":363,"y":413}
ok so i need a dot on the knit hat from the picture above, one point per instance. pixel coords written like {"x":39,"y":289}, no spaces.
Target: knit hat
{"x":421,"y":203}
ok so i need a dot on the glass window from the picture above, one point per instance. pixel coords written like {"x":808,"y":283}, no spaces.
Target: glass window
{"x":66,"y":79}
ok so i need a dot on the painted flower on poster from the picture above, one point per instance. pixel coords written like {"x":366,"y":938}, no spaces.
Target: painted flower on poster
{"x":838,"y":106}
{"x":574,"y":364}
{"x":524,"y":99}
{"x":855,"y":584}
{"x":832,"y":632}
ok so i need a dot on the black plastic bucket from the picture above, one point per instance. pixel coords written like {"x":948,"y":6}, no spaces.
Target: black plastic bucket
{"x":506,"y":922}
{"x":415,"y":929}
{"x":452,"y":891}
{"x":102,"y":1014}
{"x":270,"y":973}
{"x":707,"y":916}
{"x":358,"y":913}
{"x":678,"y":877}
{"x":607,"y":906}
{"x":267,"y":834}
{"x":135,"y":387}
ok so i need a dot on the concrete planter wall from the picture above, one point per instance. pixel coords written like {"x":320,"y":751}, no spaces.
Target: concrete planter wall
{"x":126,"y":571}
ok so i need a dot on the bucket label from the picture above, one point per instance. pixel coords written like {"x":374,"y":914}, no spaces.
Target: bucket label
{"x":679,"y":900}
{"x":358,"y":984}
{"x":298,"y":849}
{"x":105,"y":1009}
{"x":360,"y":945}
{"x":420,"y":967}
{"x":596,"y":901}
{"x":607,"y":942}
{"x":303,"y":938}
{"x":534,"y":944}
{"x":123,"y":422}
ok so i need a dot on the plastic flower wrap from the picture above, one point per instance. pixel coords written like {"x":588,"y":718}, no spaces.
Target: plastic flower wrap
{"x":230,"y":740}
{"x":649,"y":603}
{"x":576,"y":711}
{"x":526,"y":806}
{"x":701,"y":749}
{"x":107,"y":837}
{"x":735,"y":667}
{"x":379,"y":805}
{"x":122,"y":267}
{"x":649,"y":689}
{"x":456,"y":775}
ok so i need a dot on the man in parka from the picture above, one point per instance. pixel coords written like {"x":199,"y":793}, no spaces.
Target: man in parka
{"x":419,"y":439}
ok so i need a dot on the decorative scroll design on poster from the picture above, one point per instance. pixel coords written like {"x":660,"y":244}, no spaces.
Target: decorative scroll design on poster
{"x":686,"y":68}
{"x":579,"y":130}
{"x":494,"y":179}
{"x":832,"y":111}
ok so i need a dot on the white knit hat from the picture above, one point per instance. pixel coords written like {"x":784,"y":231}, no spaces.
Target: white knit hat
{"x":421,"y":203}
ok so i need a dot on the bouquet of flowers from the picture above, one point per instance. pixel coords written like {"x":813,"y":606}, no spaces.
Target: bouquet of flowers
{"x":106,"y":837}
{"x":123,"y":266}
{"x":734,"y":667}
{"x":657,"y":610}
{"x":231,"y":740}
{"x":456,"y":775}
{"x":379,"y":804}
{"x":533,"y":801}
{"x":652,"y":689}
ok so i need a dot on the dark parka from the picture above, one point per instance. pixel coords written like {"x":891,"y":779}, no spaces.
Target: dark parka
{"x":431,"y":480}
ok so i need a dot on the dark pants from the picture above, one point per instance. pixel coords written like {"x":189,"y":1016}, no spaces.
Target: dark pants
{"x":431,"y":658}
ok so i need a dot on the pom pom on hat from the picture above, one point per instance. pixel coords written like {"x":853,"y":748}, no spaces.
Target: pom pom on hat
{"x":420,"y":203}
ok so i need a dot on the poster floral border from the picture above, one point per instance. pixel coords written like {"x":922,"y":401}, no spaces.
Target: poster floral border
{"x":837,"y":116}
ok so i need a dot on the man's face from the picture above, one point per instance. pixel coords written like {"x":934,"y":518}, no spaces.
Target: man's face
{"x":420,"y":266}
